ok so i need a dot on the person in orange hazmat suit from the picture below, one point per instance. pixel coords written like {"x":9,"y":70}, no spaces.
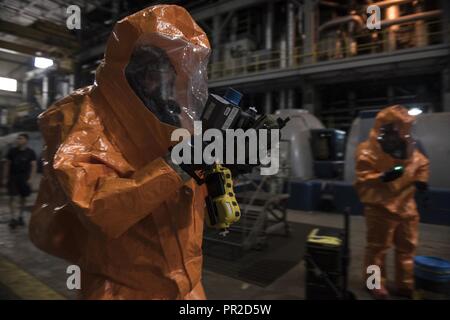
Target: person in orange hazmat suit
{"x":389,"y":170}
{"x":110,"y":199}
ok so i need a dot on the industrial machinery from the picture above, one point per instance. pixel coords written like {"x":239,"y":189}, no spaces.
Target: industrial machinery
{"x":328,"y":147}
{"x":236,"y":55}
{"x":402,"y":24}
{"x":298,"y":132}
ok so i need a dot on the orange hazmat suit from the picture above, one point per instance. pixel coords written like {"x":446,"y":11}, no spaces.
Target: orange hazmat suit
{"x":389,"y":207}
{"x":108,"y":201}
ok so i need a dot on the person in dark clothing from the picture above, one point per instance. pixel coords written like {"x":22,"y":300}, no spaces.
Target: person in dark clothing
{"x":19,"y":171}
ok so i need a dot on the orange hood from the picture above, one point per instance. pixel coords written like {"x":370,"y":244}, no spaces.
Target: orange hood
{"x":136,"y":130}
{"x":395,"y":114}
{"x":398,"y":115}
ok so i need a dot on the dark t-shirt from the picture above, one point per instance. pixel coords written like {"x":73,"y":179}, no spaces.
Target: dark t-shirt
{"x":20,"y":161}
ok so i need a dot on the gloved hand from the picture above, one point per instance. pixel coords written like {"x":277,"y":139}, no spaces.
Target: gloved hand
{"x":392,"y":174}
{"x":188,"y":169}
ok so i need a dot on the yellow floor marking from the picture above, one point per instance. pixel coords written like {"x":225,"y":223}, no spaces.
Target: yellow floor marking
{"x":24,"y":285}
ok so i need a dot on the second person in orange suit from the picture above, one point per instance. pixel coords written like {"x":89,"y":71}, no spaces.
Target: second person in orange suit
{"x":110,"y":200}
{"x":389,"y":171}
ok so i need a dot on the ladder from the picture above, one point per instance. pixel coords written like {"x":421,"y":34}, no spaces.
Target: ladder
{"x":263,"y":201}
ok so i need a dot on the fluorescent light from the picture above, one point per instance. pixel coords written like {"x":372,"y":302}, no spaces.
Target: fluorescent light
{"x":415,"y":111}
{"x":8,"y":84}
{"x":42,"y":63}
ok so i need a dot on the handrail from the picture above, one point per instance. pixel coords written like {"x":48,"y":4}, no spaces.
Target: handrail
{"x":276,"y":60}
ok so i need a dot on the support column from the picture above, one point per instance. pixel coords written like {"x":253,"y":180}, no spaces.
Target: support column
{"x":268,"y":102}
{"x":44,"y":104}
{"x":283,"y":54}
{"x":310,"y":20}
{"x":71,"y":83}
{"x":310,"y":98}
{"x":392,"y":12}
{"x":351,"y":97}
{"x":290,"y":34}
{"x":216,"y":48}
{"x":446,"y":89}
{"x":268,"y":32}
{"x":290,"y":98}
{"x":282,"y":99}
{"x":234,"y":27}
{"x":421,"y":33}
{"x":445,"y":5}
{"x":25,"y":93}
{"x":390,"y":95}
{"x":216,"y":38}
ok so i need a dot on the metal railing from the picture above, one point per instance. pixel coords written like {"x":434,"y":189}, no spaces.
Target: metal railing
{"x":342,"y":46}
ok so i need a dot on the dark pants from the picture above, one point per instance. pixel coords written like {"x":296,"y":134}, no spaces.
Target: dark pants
{"x":18,"y":185}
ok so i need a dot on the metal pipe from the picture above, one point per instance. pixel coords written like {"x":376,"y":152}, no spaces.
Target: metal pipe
{"x":290,"y":33}
{"x":216,"y":38}
{"x":283,"y":53}
{"x":392,"y":13}
{"x":71,"y":83}
{"x":44,"y":103}
{"x":234,"y":27}
{"x":421,"y":35}
{"x":25,"y":85}
{"x":412,"y":17}
{"x":310,"y":17}
{"x":269,"y":26}
{"x":445,"y":23}
{"x":446,"y":89}
{"x":332,"y":4}
{"x":282,"y":99}
{"x":290,"y":98}
{"x":389,"y":3}
{"x":342,"y":20}
{"x":300,"y":17}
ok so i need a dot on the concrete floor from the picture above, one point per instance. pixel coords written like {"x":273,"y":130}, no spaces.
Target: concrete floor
{"x":17,"y":252}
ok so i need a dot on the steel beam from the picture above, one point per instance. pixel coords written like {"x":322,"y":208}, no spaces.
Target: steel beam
{"x":37,"y":35}
{"x":23,"y":49}
{"x":223,"y":7}
{"x":400,"y":56}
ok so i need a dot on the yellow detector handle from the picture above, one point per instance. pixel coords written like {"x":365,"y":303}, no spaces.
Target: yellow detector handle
{"x":223,"y":209}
